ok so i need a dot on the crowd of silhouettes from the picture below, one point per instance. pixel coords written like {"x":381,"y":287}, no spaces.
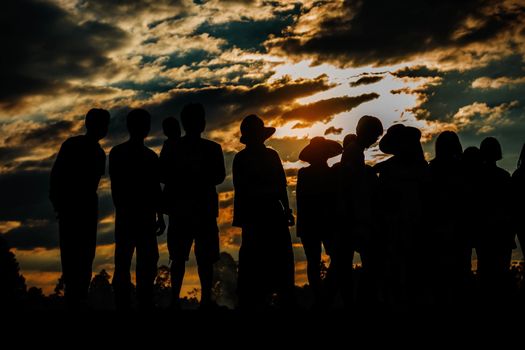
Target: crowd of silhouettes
{"x":404,"y":216}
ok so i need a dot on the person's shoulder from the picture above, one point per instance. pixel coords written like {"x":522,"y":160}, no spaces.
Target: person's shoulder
{"x":303,"y":171}
{"x":74,"y":141}
{"x":150,"y":153}
{"x":116,"y":150}
{"x":272,"y":153}
{"x":503,"y":173}
{"x":518,"y":173}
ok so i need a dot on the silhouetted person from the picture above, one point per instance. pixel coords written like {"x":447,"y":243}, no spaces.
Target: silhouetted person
{"x":358,"y":198}
{"x":518,"y":194}
{"x":75,"y":176}
{"x":198,"y":166}
{"x":450,"y":250}
{"x":496,"y":237}
{"x":316,"y":206}
{"x":171,"y":128}
{"x":261,"y":209}
{"x":135,"y":186}
{"x":401,"y":179}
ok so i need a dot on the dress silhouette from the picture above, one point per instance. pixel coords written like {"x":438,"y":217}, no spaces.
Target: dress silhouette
{"x":75,"y":176}
{"x":518,"y":199}
{"x":196,"y":167}
{"x":261,"y":209}
{"x":316,"y":207}
{"x":450,"y":247}
{"x":135,"y":186}
{"x":496,"y":237}
{"x":358,"y":198}
{"x":401,"y":180}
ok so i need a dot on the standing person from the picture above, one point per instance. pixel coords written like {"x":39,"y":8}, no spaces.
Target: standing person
{"x":262,"y":210}
{"x":135,"y":186}
{"x":198,"y":166}
{"x":75,"y":176}
{"x":450,"y":247}
{"x":358,"y":192}
{"x":518,"y":190}
{"x":496,"y":237}
{"x":171,"y":129}
{"x":316,"y":199}
{"x":401,"y":180}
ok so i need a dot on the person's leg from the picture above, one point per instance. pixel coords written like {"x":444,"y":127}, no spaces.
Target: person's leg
{"x":87,"y":249}
{"x":67,"y":257}
{"x":285,"y":269}
{"x":251,"y":286}
{"x":312,"y":250}
{"x":147,"y":259}
{"x":207,"y":252}
{"x":124,"y":248}
{"x":344,"y":257}
{"x":179,"y":245}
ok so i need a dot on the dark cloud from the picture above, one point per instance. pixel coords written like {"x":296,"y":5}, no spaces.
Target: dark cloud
{"x":225,"y":104}
{"x":118,"y":9}
{"x":250,"y":34}
{"x":380,"y":32}
{"x":25,"y":196}
{"x":498,"y":112}
{"x":325,"y":110}
{"x":43,"y":47}
{"x":371,"y":79}
{"x":25,"y":140}
{"x":34,"y":234}
{"x":417,"y":72}
{"x":333,"y":131}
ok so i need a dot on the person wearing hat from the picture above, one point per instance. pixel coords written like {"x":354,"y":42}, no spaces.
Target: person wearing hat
{"x":316,"y":195}
{"x":261,"y":209}
{"x":401,"y":181}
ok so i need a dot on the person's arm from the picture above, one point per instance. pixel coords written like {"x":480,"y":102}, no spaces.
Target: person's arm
{"x":238,"y":203}
{"x":219,"y":170}
{"x":57,"y":177}
{"x":115,"y":178}
{"x":283,"y":193}
{"x":157,"y":171}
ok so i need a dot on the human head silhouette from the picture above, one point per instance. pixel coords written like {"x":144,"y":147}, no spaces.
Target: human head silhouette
{"x":368,"y":130}
{"x":472,"y":157}
{"x":193,"y":119}
{"x":490,"y":150}
{"x":348,"y":139}
{"x":448,"y":145}
{"x":139,"y":123}
{"x":404,"y":141}
{"x":171,"y":128}
{"x":319,"y":150}
{"x":253,"y":130}
{"x":97,"y":123}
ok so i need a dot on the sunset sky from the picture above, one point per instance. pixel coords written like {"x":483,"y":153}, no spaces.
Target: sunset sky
{"x":309,"y":68}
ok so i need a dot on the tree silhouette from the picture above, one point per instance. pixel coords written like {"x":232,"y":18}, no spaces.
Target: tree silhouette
{"x":12,"y":283}
{"x":162,"y":287}
{"x":225,"y":281}
{"x":101,"y":291}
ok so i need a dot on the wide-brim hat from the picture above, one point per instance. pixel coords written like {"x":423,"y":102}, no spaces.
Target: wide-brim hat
{"x":399,"y":137}
{"x":253,"y":130}
{"x":320,"y":148}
